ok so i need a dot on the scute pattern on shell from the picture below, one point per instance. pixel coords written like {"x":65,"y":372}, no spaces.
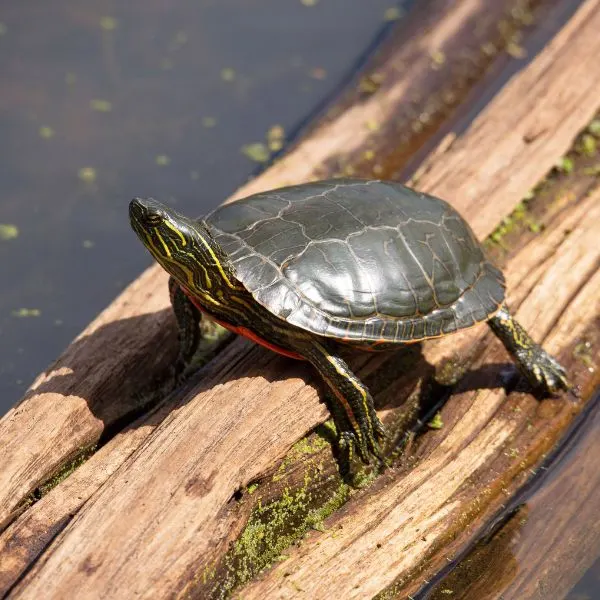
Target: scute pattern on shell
{"x":359,"y":260}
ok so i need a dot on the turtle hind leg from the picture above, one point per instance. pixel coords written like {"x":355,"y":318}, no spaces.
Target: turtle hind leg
{"x":352,"y":408}
{"x":541,"y":370}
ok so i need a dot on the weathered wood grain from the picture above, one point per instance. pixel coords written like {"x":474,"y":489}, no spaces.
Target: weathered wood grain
{"x":545,"y":539}
{"x":167,"y":498}
{"x":95,"y":384}
{"x":68,"y":407}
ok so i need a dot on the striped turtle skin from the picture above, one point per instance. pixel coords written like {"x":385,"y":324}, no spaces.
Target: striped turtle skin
{"x":366,"y":262}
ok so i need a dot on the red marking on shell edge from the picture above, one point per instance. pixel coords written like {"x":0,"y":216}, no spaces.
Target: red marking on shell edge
{"x":245,"y":332}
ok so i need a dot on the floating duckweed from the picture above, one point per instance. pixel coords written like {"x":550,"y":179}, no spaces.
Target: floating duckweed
{"x":275,"y":138}
{"x":88,"y":244}
{"x":8,"y":231}
{"x":87,"y":174}
{"x":257,"y":152}
{"x":162,"y":160}
{"x":108,"y":23}
{"x":70,"y":78}
{"x":100,"y":105}
{"x":227,"y":74}
{"x":393,"y":13}
{"x":23,"y":313}
{"x":46,"y":132}
{"x":309,"y":2}
{"x":209,"y":122}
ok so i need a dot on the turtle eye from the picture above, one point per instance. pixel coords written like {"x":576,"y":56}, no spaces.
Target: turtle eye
{"x":152,"y":219}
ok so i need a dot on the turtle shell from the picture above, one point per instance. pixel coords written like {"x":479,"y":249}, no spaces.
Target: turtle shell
{"x":360,"y":261}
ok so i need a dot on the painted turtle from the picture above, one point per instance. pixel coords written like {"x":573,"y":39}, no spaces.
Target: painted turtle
{"x":305,"y":269}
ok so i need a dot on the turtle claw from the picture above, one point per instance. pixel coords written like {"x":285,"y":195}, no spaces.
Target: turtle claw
{"x":378,"y":428}
{"x":366,"y":447}
{"x":546,"y":373}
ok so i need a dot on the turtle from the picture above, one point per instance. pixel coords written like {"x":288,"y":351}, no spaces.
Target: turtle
{"x":308,"y":270}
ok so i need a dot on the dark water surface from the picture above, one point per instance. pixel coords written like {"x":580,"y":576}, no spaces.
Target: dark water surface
{"x":101,"y":101}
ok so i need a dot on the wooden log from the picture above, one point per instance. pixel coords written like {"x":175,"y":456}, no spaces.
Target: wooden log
{"x":551,"y":530}
{"x":173,"y":507}
{"x":95,"y":385}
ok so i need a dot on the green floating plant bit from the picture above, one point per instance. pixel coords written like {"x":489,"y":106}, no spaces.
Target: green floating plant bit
{"x":392,"y":14}
{"x":26,"y":312}
{"x":209,"y":122}
{"x":257,"y":152}
{"x":162,"y":160}
{"x":100,"y":105}
{"x":108,"y":23}
{"x":46,"y":132}
{"x":227,"y":74}
{"x":8,"y":231}
{"x":87,"y":174}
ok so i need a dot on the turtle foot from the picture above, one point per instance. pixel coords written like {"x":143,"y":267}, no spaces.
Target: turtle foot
{"x":366,"y":449}
{"x":545,"y":373}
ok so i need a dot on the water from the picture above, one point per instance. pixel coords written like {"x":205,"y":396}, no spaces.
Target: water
{"x":101,"y":101}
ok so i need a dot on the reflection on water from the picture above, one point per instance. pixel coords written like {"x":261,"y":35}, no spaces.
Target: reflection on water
{"x":101,"y":101}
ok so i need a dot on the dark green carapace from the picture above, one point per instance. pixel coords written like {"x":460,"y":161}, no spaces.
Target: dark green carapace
{"x":304,"y":270}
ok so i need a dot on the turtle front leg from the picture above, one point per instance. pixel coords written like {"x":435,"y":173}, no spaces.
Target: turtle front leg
{"x":541,"y":370}
{"x":188,"y":321}
{"x":354,"y":413}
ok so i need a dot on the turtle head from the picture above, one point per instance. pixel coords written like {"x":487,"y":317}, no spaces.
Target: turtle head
{"x":182,"y":246}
